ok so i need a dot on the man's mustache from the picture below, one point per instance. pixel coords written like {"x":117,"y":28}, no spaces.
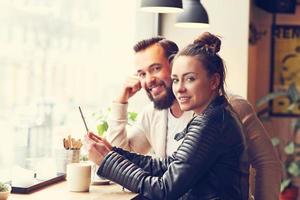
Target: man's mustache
{"x":151,"y":86}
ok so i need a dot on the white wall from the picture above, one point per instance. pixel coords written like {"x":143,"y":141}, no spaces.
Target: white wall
{"x":124,"y":31}
{"x":230,"y":20}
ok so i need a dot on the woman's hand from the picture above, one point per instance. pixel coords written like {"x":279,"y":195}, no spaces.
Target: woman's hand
{"x":97,"y":138}
{"x":98,"y":148}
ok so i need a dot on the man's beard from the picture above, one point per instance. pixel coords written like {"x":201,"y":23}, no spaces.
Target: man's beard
{"x":164,"y":102}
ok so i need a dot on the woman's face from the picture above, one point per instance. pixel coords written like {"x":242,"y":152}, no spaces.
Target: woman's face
{"x":192,"y":86}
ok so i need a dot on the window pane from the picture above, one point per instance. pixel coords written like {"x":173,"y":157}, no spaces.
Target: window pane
{"x":54,"y":56}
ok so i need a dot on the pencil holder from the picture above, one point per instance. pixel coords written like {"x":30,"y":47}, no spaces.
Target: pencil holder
{"x":73,"y":155}
{"x":66,"y":156}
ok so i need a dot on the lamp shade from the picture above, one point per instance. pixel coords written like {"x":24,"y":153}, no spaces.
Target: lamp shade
{"x":194,"y":15}
{"x":161,"y":6}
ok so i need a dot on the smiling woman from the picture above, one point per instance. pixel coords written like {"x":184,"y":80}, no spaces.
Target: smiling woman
{"x":54,"y":56}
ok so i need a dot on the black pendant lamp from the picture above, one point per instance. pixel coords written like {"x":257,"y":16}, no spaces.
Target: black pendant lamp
{"x":194,"y":15}
{"x":161,"y":6}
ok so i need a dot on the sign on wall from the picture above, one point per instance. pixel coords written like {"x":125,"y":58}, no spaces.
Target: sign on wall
{"x":285,"y":70}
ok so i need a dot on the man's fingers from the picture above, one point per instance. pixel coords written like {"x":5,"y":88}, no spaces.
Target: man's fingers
{"x":130,"y":87}
{"x":137,"y":87}
{"x":133,"y":83}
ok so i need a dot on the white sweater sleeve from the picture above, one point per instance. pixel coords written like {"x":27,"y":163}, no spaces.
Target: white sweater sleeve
{"x":131,"y":138}
{"x":261,"y":153}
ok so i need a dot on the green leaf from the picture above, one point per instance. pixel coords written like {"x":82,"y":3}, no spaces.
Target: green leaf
{"x":84,"y":158}
{"x":284,"y":184}
{"x":292,"y":107}
{"x":275,"y":141}
{"x":132,"y":116}
{"x":293,"y":93}
{"x":294,"y":169}
{"x":3,"y":187}
{"x":102,"y":118}
{"x":290,"y":148}
{"x":102,"y":128}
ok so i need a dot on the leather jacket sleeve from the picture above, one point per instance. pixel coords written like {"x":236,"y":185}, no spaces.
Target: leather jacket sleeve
{"x":200,"y":148}
{"x":154,"y":166}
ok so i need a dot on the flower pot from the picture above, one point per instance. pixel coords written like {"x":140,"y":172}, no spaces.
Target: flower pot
{"x":290,"y":193}
{"x":4,"y":195}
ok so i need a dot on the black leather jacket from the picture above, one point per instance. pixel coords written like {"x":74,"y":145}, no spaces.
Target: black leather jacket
{"x":210,"y":164}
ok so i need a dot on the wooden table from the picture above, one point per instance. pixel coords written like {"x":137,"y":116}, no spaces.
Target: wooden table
{"x":59,"y":191}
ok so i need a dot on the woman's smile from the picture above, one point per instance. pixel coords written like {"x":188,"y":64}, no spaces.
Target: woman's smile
{"x":183,"y":99}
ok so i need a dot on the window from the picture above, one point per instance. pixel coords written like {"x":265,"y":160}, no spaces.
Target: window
{"x":54,"y":56}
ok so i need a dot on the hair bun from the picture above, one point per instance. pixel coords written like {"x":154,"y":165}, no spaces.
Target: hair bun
{"x":208,"y":41}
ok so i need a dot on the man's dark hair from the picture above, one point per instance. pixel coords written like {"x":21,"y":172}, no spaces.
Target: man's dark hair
{"x":170,"y":48}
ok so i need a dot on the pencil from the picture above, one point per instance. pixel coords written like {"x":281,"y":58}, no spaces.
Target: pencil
{"x":86,"y":128}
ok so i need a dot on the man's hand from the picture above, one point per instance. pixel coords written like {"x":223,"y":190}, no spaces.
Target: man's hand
{"x":97,"y":148}
{"x":131,"y":86}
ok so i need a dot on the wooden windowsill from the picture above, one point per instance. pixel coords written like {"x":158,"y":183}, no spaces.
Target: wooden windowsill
{"x":60,"y":191}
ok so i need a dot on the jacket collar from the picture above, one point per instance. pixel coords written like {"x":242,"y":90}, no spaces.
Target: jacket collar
{"x":219,"y":100}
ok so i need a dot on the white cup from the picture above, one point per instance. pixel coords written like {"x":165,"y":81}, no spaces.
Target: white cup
{"x":79,"y":177}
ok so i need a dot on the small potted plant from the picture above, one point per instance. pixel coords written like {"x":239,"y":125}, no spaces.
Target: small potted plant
{"x":4,"y":191}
